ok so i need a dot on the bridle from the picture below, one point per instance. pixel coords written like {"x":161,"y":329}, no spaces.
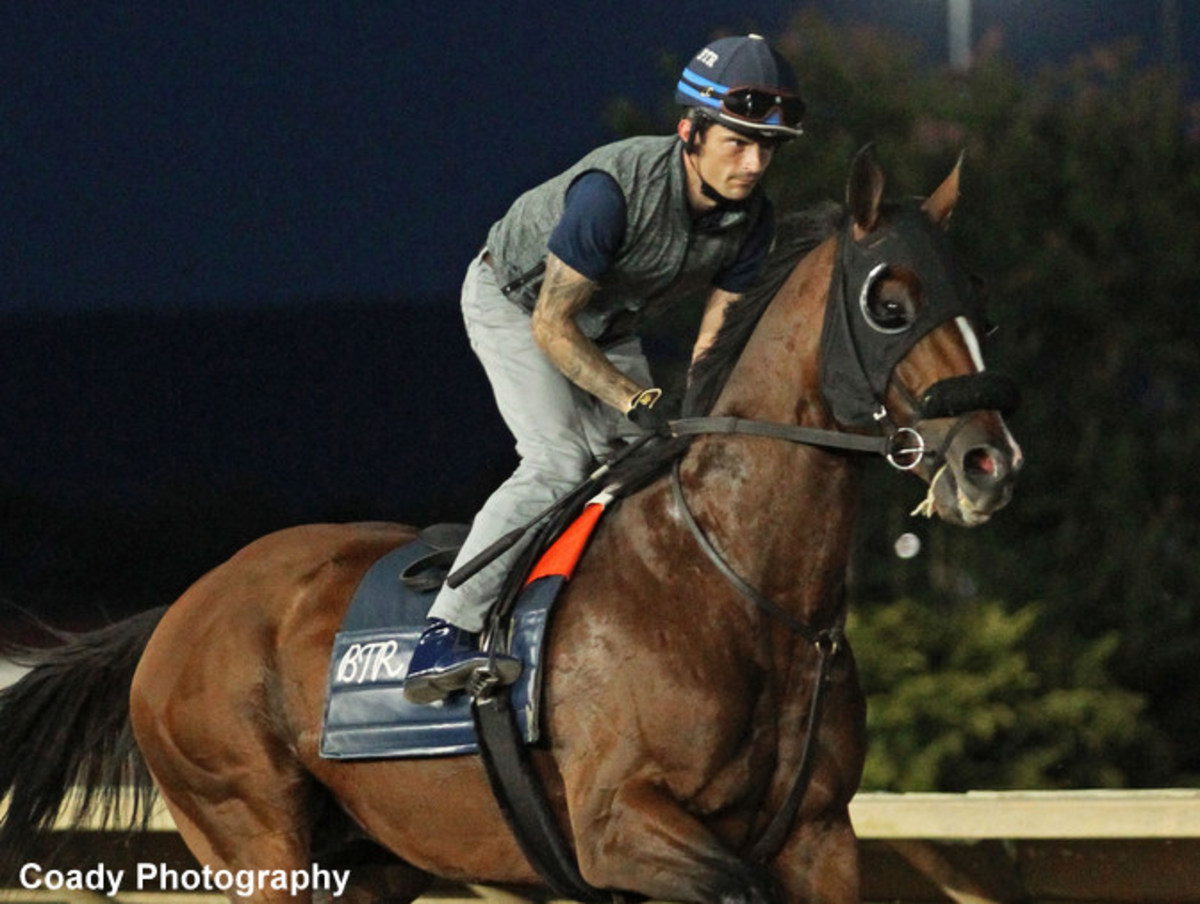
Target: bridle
{"x":903,"y":447}
{"x":858,"y":356}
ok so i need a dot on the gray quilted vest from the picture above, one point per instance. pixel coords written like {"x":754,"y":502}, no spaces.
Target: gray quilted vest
{"x":666,"y":256}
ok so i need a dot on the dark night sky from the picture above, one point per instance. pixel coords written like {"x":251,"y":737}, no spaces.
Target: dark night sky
{"x":193,"y":153}
{"x":245,"y":158}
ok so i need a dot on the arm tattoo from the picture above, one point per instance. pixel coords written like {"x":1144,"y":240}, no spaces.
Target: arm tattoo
{"x":564,"y":293}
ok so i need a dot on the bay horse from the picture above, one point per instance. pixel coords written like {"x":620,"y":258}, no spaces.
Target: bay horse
{"x":676,"y":710}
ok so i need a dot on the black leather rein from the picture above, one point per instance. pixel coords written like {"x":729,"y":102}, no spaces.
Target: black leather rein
{"x":903,"y":448}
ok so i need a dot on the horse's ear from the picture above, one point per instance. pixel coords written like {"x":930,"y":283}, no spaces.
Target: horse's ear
{"x":941,"y":203}
{"x":865,"y":191}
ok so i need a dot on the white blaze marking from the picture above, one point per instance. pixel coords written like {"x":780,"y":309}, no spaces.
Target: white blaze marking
{"x":972,"y":341}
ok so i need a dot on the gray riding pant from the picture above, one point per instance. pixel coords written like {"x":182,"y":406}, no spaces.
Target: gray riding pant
{"x":560,"y":430}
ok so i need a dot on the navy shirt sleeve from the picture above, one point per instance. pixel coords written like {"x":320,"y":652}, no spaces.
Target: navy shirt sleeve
{"x":739,"y":275}
{"x":592,"y":226}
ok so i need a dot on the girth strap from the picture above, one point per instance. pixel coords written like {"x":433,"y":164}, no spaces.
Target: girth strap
{"x":522,"y":798}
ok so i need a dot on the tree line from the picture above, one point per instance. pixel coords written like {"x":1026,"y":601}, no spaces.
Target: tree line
{"x":1055,"y":647}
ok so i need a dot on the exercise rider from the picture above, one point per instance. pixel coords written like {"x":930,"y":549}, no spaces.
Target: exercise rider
{"x":552,"y":304}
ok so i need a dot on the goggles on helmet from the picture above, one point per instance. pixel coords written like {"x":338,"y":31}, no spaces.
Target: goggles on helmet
{"x":754,"y":105}
{"x":761,"y":105}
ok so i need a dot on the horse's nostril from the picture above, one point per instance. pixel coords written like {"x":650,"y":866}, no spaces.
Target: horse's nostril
{"x":982,"y":462}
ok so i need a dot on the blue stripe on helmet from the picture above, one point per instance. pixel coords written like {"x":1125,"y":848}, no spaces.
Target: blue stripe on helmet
{"x":703,"y":82}
{"x":702,"y":99}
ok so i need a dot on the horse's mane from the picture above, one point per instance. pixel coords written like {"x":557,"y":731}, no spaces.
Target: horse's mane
{"x":796,"y":234}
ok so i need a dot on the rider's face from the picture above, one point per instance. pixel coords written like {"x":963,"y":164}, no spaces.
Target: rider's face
{"x":730,"y":162}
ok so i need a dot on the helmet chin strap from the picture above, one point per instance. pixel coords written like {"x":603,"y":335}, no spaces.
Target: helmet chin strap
{"x":711,"y":193}
{"x":705,"y":189}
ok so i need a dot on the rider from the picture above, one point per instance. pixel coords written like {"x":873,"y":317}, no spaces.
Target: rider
{"x":551,"y":302}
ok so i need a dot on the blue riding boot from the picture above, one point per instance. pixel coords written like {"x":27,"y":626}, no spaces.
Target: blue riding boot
{"x":444,"y":660}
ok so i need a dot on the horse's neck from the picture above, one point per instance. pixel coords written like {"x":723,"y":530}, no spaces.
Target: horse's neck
{"x":783,"y":512}
{"x":776,"y":377}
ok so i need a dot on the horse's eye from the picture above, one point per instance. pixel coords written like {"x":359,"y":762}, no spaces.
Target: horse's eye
{"x":890,"y":299}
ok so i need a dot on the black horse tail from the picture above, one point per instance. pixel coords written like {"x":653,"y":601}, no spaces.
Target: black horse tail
{"x":67,"y":738}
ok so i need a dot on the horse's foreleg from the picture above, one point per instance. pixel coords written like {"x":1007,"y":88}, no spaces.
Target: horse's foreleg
{"x":648,"y":843}
{"x":819,"y":863}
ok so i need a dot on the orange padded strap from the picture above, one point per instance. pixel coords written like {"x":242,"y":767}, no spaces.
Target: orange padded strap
{"x":562,"y":557}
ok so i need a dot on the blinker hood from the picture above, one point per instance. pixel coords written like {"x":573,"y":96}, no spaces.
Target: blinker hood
{"x":857,"y":358}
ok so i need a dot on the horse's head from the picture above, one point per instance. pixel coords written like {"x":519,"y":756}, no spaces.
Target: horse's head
{"x":900,"y":347}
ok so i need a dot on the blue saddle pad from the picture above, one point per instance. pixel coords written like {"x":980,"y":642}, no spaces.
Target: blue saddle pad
{"x":366,"y":715}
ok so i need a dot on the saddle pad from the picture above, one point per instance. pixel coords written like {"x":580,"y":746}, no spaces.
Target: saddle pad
{"x":366,"y":715}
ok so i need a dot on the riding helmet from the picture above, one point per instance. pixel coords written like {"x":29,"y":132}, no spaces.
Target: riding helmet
{"x":742,"y":83}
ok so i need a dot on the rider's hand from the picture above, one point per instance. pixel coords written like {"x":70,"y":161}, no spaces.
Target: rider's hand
{"x":642,"y":411}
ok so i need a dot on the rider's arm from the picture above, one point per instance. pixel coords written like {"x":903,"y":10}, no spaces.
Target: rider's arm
{"x":564,"y":293}
{"x":582,"y":248}
{"x":731,"y":284}
{"x":719,"y":301}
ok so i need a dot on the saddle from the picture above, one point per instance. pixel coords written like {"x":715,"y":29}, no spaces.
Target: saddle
{"x":366,"y":715}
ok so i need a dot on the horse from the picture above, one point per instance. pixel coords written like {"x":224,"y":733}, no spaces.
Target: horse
{"x":685,"y":660}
